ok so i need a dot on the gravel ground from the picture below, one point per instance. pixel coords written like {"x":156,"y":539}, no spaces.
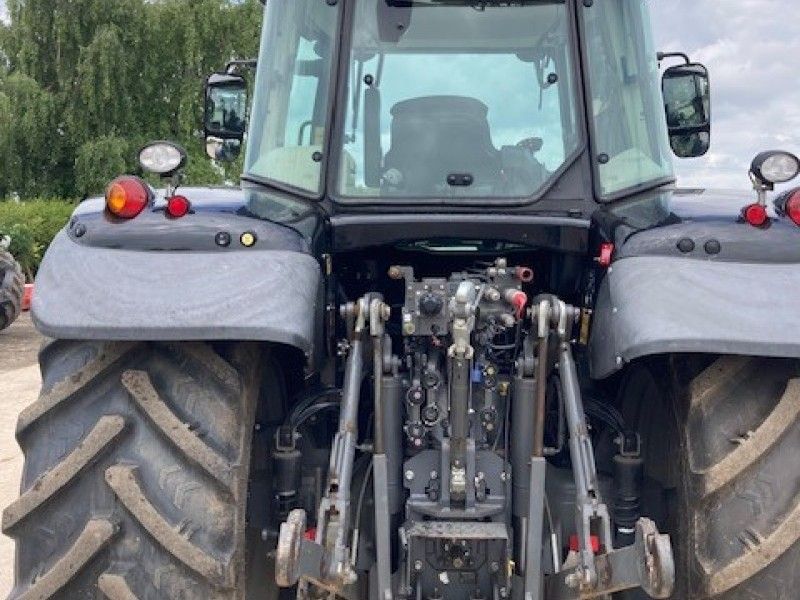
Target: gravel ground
{"x":19,"y":386}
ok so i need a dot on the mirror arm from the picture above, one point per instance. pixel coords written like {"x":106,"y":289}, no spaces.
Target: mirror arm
{"x":662,"y":55}
{"x":233,"y":65}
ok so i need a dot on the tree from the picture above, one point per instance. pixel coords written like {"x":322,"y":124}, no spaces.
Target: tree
{"x":85,"y":83}
{"x":98,"y":162}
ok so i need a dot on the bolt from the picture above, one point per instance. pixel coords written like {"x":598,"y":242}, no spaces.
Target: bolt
{"x":223,"y":239}
{"x":503,"y":592}
{"x":80,"y":230}
{"x":349,"y":576}
{"x":572,"y":580}
{"x":495,"y":567}
{"x":504,"y":476}
{"x":409,"y":475}
{"x":434,"y":475}
{"x":418,"y":565}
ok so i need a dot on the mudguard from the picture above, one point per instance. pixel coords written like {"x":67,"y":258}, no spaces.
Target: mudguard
{"x":121,"y":282}
{"x":690,"y":275}
{"x":650,"y":305}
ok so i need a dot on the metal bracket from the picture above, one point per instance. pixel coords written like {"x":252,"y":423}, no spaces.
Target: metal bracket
{"x":295,"y":555}
{"x":533,"y":553}
{"x":592,"y":513}
{"x":647,"y":564}
{"x":327,"y":560}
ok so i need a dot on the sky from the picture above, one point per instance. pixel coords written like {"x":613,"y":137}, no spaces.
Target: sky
{"x":751,"y":49}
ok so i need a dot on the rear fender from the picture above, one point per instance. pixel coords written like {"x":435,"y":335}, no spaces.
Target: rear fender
{"x":270,"y":292}
{"x":650,"y":305}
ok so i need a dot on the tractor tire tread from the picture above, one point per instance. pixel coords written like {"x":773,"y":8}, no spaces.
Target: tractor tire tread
{"x":95,"y":536}
{"x":50,"y":483}
{"x":744,"y":501}
{"x":135,"y":482}
{"x":12,"y":289}
{"x":114,"y":587}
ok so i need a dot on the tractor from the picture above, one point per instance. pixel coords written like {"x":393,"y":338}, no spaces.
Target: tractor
{"x":457,"y":334}
{"x":12,"y":285}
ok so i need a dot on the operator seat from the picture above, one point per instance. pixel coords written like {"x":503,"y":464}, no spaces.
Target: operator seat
{"x":437,"y":136}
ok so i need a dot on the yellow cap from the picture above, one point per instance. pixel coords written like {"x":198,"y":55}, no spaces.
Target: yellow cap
{"x":248,"y":239}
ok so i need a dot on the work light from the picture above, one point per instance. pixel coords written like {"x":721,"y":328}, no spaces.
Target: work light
{"x":162,"y":158}
{"x":775,"y":167}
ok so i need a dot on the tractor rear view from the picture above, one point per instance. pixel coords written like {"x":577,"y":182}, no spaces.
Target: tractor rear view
{"x":457,"y":335}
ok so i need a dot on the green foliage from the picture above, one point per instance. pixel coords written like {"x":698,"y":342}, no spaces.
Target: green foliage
{"x":98,"y":162}
{"x":32,"y":226}
{"x":85,"y":83}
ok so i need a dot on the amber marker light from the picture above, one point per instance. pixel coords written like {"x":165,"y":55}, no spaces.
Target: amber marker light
{"x":126,"y":197}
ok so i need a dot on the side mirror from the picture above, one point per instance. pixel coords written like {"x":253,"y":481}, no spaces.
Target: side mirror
{"x":687,"y":102}
{"x":225,"y":117}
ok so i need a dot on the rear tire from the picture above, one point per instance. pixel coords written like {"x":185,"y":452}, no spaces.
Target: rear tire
{"x":722,"y":438}
{"x":12,"y":288}
{"x":135,"y":483}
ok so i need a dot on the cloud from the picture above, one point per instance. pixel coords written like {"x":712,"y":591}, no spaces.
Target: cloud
{"x":750,"y":48}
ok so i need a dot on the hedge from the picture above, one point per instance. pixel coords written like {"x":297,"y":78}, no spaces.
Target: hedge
{"x":32,"y":225}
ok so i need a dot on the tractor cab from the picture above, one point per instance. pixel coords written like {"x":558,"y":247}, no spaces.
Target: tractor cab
{"x":459,"y":101}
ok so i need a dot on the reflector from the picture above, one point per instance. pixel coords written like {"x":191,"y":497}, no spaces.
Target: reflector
{"x":755,"y":214}
{"x":178,"y":206}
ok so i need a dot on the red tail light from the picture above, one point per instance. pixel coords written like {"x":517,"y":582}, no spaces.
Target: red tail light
{"x":755,"y":214}
{"x":178,"y":206}
{"x":792,"y":207}
{"x":127,"y":196}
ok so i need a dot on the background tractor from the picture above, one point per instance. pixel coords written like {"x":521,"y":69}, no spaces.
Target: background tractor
{"x":457,"y":334}
{"x":12,"y":285}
